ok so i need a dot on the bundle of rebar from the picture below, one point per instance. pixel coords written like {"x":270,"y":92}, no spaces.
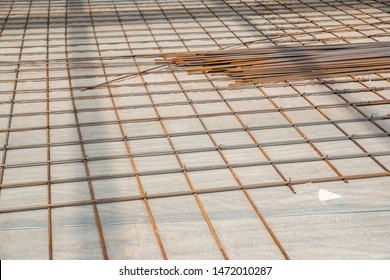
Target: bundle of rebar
{"x":287,"y":63}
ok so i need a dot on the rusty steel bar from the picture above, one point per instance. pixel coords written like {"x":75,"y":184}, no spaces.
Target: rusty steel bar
{"x":202,"y":191}
{"x":182,"y":166}
{"x":7,"y":133}
{"x":128,"y":148}
{"x":79,"y":134}
{"x":278,"y":64}
{"x":48,"y":141}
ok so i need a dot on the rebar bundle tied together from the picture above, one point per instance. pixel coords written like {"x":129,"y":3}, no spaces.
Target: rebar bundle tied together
{"x":288,"y":63}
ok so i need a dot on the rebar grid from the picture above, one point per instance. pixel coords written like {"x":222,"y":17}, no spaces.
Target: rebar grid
{"x":72,"y":99}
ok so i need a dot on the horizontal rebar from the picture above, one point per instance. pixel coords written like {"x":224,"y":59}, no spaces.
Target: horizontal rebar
{"x":197,"y":191}
{"x":278,"y":64}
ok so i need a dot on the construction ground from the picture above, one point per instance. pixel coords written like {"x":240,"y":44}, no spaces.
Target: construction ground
{"x":106,"y":154}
